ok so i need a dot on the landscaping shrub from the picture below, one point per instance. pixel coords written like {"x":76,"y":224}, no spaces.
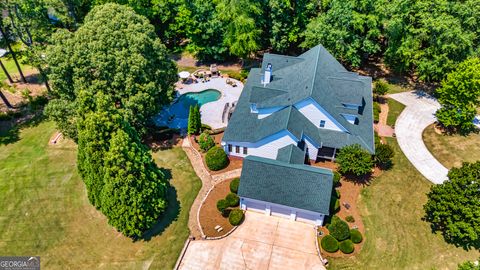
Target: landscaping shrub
{"x":222,"y":205}
{"x":336,"y":179}
{"x":232,"y":199}
{"x":337,"y":193}
{"x":339,"y":229}
{"x":377,"y":138}
{"x":234,"y":185}
{"x":381,"y":88}
{"x":356,"y":236}
{"x":236,"y":217}
{"x":334,"y":204}
{"x":353,"y":159}
{"x":206,"y":142}
{"x":216,"y":159}
{"x":376,"y":112}
{"x":329,"y":243}
{"x":383,"y":155}
{"x":349,"y":219}
{"x":346,"y":246}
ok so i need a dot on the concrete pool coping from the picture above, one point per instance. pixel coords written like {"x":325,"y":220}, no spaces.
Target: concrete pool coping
{"x":212,"y":111}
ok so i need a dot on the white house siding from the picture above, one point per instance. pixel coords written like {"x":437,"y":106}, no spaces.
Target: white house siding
{"x":267,"y":147}
{"x":283,"y":211}
{"x":315,"y":113}
{"x":264,"y":112}
{"x":312,"y":148}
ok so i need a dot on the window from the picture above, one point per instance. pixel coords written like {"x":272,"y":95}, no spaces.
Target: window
{"x":237,"y":149}
{"x":322,"y":123}
{"x":229,"y":148}
{"x":245,"y":150}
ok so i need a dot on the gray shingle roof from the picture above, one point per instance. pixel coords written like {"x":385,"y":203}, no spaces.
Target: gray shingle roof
{"x":291,"y":154}
{"x":294,"y":185}
{"x":316,"y":75}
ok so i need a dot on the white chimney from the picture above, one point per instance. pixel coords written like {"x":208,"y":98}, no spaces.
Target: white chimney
{"x":268,"y":74}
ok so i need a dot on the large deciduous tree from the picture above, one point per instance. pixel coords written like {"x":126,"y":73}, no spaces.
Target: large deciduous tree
{"x":429,"y":38}
{"x":355,"y":160}
{"x":349,"y":29}
{"x":459,"y":96}
{"x":116,"y":52}
{"x":453,"y":208}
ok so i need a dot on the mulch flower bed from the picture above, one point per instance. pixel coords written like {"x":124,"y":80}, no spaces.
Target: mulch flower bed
{"x":210,"y":216}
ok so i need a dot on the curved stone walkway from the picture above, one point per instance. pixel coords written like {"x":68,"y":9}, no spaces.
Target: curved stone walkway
{"x":207,"y":182}
{"x":418,"y":114}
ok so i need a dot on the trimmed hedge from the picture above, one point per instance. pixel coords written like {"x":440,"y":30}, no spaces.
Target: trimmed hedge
{"x":356,"y":236}
{"x":234,"y":185}
{"x":334,"y":204}
{"x":236,"y":217}
{"x":337,"y":193}
{"x":349,"y":219}
{"x":232,"y":199}
{"x":205,"y":142}
{"x":222,"y":205}
{"x":216,"y":159}
{"x":376,"y":112}
{"x":329,"y":243}
{"x":346,"y":246}
{"x":339,"y":229}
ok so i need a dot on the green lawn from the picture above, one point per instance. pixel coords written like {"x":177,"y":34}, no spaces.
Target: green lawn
{"x":45,"y":210}
{"x":394,"y":110}
{"x":396,"y":236}
{"x":452,"y":150}
{"x":12,"y":68}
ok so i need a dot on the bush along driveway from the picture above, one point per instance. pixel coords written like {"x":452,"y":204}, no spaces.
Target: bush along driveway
{"x":418,"y":114}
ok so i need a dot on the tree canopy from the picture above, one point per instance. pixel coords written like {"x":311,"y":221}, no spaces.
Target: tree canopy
{"x":118,"y":53}
{"x":453,"y":207}
{"x":459,"y":96}
{"x":353,"y":159}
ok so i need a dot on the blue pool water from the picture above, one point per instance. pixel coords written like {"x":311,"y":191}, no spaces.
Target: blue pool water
{"x":176,"y":114}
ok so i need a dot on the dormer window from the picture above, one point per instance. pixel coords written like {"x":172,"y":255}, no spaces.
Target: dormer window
{"x":253,"y":108}
{"x":352,"y":119}
{"x":322,"y":123}
{"x":350,"y":106}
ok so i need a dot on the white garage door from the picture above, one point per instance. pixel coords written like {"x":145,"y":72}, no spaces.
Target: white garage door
{"x":280,"y":211}
{"x":306,"y":217}
{"x":256,"y":206}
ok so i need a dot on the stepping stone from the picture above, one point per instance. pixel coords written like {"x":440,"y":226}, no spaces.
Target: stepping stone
{"x":220,"y":229}
{"x":217,"y":227}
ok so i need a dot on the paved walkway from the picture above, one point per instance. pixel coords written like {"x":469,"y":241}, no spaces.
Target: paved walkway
{"x":381,"y":127}
{"x":260,"y":243}
{"x":207,"y":183}
{"x":418,"y":114}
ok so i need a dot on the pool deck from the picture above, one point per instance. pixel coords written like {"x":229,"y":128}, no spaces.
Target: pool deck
{"x":212,"y":112}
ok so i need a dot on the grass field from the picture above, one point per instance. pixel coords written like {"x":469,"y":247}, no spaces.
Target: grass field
{"x":394,"y":110}
{"x":452,"y":150}
{"x":396,"y":236}
{"x":12,"y":68}
{"x":45,"y":210}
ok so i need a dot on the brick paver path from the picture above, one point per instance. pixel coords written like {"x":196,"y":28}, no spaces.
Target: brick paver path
{"x":207,"y":182}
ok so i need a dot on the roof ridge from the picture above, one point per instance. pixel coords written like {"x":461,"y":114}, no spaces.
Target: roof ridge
{"x":315,"y":71}
{"x":275,"y":162}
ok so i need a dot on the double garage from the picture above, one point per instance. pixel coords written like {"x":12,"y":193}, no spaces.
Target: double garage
{"x":283,"y":211}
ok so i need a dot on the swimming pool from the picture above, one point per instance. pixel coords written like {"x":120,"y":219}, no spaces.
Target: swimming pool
{"x":176,"y":114}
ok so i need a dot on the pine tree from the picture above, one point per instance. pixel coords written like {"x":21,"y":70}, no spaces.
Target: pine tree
{"x":198,"y":119}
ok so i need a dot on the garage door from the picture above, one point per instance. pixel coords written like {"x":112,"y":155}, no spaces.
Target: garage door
{"x":280,"y":211}
{"x":306,"y":217}
{"x":256,"y":206}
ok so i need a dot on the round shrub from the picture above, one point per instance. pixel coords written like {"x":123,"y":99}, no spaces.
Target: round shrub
{"x":336,"y":179}
{"x":381,"y":88}
{"x":206,"y":142}
{"x":232,"y":199}
{"x":355,"y":160}
{"x":234,"y":185}
{"x":216,"y":159}
{"x":383,"y":155}
{"x":339,"y":229}
{"x":346,"y":246}
{"x":329,"y":243}
{"x":222,"y":205}
{"x":349,"y":219}
{"x":356,"y":236}
{"x":236,"y":217}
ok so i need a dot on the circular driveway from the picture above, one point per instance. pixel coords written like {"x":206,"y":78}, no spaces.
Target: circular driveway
{"x":418,"y":114}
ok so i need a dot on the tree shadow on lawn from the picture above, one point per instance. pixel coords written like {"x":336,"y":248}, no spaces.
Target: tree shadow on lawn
{"x":169,"y":216}
{"x":10,"y":129}
{"x":436,"y":229}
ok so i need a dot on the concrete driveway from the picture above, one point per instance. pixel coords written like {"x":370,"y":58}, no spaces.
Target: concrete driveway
{"x":260,"y":243}
{"x":418,"y":114}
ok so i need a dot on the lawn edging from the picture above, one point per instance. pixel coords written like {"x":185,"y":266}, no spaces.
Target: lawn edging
{"x":317,"y":246}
